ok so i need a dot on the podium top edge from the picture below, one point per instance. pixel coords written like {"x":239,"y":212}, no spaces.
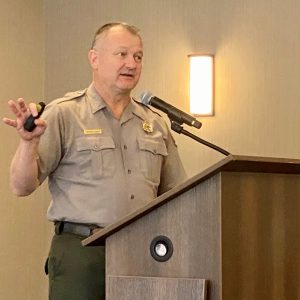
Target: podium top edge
{"x":241,"y":163}
{"x":265,"y":159}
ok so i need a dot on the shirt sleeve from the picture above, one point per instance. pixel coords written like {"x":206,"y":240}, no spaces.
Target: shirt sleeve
{"x":172,"y":172}
{"x":50,"y":146}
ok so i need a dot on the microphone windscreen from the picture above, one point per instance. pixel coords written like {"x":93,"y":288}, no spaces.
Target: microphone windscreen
{"x":146,"y":97}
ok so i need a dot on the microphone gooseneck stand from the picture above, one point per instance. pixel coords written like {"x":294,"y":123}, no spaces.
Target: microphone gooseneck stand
{"x":179,"y":129}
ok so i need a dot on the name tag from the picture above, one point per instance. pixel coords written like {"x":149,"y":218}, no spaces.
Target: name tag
{"x":93,"y":131}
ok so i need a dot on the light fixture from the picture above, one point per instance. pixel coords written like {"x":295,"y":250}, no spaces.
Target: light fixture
{"x":201,"y":84}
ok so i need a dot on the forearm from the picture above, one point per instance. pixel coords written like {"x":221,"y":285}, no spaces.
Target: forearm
{"x":24,"y":168}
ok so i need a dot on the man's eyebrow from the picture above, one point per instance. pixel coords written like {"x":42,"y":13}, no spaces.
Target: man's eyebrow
{"x":128,"y":48}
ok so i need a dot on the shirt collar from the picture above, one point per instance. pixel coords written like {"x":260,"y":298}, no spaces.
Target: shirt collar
{"x":138,"y":109}
{"x":97,"y":103}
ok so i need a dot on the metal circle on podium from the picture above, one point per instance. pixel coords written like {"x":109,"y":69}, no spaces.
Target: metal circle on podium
{"x":161,"y":248}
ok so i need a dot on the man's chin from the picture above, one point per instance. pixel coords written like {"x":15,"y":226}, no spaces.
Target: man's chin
{"x":127,"y":86}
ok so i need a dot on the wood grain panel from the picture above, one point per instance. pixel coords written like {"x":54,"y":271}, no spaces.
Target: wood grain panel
{"x":154,"y":288}
{"x":260,"y":236}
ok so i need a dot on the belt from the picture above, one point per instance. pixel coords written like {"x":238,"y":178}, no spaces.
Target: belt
{"x":83,"y":230}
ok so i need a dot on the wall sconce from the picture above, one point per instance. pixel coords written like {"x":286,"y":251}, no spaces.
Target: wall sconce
{"x":201,"y":84}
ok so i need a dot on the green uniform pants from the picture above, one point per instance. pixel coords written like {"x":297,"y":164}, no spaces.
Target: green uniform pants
{"x":75,"y":272}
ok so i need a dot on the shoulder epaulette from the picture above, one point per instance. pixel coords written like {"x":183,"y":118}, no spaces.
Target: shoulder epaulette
{"x":70,"y":96}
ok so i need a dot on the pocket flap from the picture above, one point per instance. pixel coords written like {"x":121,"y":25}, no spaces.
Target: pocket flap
{"x":153,"y":146}
{"x":94,"y":143}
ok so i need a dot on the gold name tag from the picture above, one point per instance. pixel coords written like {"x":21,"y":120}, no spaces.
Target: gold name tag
{"x":93,"y":131}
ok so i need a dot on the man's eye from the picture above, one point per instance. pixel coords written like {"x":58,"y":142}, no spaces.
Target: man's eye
{"x":122,"y":54}
{"x":138,"y":57}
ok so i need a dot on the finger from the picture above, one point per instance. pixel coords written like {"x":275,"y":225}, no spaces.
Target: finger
{"x":22,"y":105}
{"x":9,"y":122}
{"x":33,"y":109}
{"x":40,"y":122}
{"x":14,"y":107}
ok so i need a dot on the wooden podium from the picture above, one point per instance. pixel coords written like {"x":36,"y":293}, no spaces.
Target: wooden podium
{"x":233,"y":232}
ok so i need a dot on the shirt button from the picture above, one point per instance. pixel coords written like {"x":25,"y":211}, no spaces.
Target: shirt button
{"x":125,"y":147}
{"x":132,"y":197}
{"x":129,"y":171}
{"x":96,"y":147}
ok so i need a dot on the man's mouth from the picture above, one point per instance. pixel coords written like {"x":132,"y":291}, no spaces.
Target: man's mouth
{"x":127,"y":75}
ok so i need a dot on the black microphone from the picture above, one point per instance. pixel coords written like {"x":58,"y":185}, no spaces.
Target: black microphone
{"x":173,"y":113}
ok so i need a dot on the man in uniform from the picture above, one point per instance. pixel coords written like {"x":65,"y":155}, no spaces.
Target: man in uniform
{"x":104,"y":154}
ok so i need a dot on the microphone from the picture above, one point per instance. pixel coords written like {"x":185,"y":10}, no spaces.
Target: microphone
{"x":173,"y":113}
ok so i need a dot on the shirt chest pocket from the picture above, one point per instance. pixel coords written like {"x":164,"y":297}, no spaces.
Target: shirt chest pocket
{"x":95,"y":156}
{"x":152,"y":153}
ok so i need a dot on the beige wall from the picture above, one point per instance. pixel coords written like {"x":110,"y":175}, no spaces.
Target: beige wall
{"x":257,"y":49}
{"x":24,"y":229}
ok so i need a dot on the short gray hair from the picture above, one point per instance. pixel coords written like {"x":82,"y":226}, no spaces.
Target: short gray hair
{"x":106,"y":27}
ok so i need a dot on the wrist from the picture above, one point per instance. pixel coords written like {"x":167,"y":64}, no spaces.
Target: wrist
{"x":29,"y":143}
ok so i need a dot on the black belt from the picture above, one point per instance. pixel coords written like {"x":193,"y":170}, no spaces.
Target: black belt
{"x":83,"y":230}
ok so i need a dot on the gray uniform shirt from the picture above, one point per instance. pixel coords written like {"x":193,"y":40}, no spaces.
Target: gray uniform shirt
{"x":100,"y":168}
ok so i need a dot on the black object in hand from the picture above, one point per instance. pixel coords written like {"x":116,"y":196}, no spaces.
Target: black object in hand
{"x":29,"y":124}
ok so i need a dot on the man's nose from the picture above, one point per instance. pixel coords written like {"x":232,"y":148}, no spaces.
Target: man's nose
{"x":131,"y":62}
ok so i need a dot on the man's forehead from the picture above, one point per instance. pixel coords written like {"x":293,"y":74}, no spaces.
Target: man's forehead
{"x":120,"y":32}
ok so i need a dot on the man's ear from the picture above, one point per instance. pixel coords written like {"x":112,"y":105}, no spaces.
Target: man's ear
{"x":93,"y":58}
